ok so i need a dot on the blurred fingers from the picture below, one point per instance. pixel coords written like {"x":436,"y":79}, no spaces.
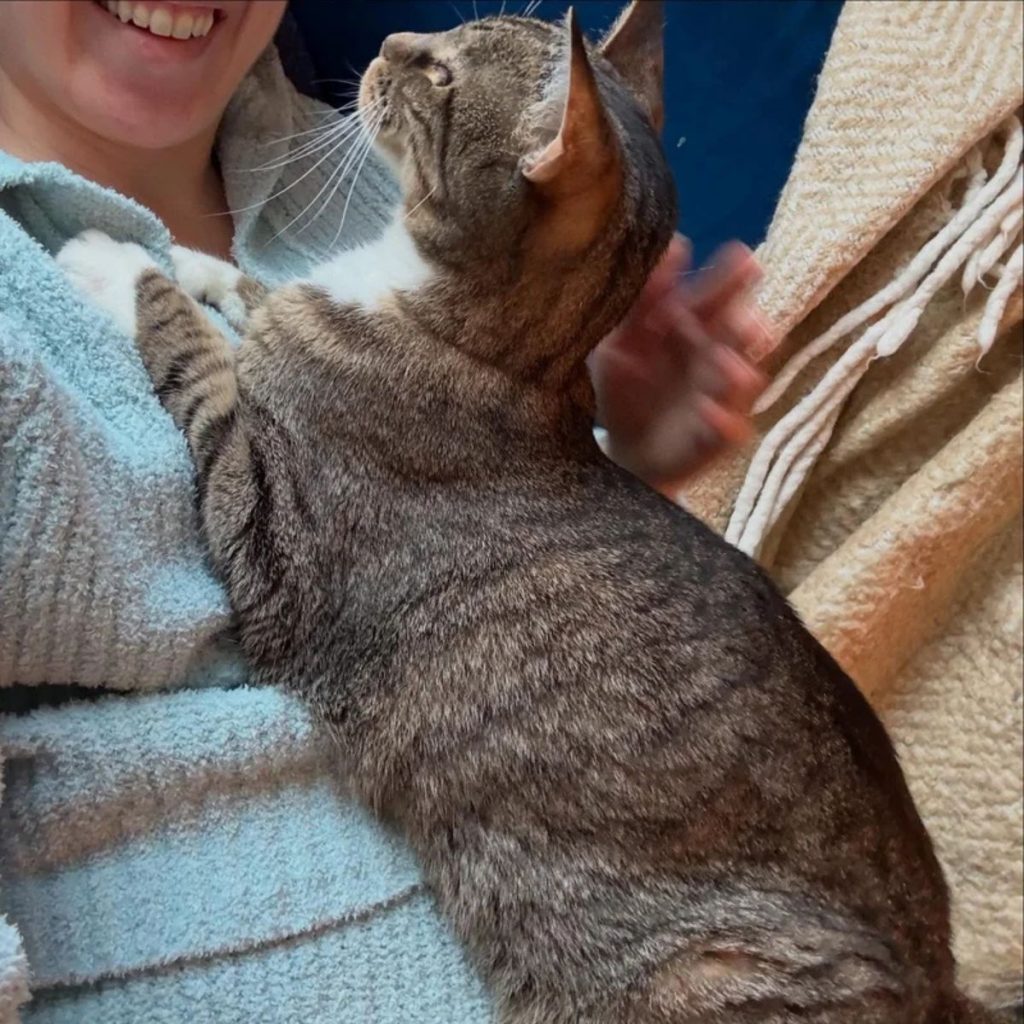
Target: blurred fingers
{"x":741,"y":381}
{"x":734,"y":270}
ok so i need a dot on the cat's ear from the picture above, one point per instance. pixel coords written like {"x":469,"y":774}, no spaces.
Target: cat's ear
{"x":584,"y":150}
{"x":635,"y":47}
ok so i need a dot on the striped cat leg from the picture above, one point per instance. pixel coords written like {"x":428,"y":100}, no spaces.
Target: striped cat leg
{"x":218,"y":284}
{"x":241,"y":505}
{"x":191,"y":364}
{"x":192,"y":367}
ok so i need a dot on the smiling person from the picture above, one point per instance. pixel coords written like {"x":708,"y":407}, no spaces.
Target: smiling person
{"x":174,"y":847}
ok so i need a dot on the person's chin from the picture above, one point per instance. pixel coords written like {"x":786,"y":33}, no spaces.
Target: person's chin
{"x":150,"y":89}
{"x":132,"y":110}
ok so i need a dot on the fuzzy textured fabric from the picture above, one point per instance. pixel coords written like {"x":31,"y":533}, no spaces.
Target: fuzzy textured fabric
{"x":901,"y":549}
{"x":211,"y":861}
{"x":13,"y":968}
{"x":176,"y":855}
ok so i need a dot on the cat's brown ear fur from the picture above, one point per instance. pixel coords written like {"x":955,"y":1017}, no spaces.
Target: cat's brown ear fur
{"x":579,"y":171}
{"x":635,"y":47}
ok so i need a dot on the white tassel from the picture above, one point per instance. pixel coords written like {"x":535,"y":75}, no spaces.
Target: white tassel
{"x":1013,"y":272}
{"x":791,"y":468}
{"x":974,"y":167}
{"x":980,"y":232}
{"x":976,"y":235}
{"x":828,"y":396}
{"x":982,"y":262}
{"x":912,"y":273}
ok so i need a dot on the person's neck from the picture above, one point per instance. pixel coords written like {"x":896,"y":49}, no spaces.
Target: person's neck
{"x":180,"y":183}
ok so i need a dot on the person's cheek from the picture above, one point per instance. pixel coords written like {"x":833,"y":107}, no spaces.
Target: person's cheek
{"x":34,"y":45}
{"x":258,"y":25}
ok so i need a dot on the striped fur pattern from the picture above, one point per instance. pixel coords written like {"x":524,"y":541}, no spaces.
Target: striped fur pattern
{"x":642,"y":793}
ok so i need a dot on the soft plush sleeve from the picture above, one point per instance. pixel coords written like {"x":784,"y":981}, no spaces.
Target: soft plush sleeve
{"x":192,"y":856}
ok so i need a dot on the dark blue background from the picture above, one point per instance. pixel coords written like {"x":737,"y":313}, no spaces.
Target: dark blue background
{"x":740,"y":76}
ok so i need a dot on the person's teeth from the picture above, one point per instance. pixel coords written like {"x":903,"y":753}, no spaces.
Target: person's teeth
{"x":168,"y":23}
{"x":202,"y":25}
{"x":161,"y":22}
{"x":182,"y":26}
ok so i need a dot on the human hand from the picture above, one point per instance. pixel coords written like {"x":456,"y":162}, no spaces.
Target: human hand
{"x":676,"y":380}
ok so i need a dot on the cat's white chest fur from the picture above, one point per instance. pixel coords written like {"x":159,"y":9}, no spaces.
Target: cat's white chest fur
{"x":367,"y":276}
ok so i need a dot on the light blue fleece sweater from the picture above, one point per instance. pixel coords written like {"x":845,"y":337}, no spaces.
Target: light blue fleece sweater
{"x":184,"y":855}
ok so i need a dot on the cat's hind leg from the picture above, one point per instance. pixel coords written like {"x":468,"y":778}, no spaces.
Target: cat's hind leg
{"x":768,"y":989}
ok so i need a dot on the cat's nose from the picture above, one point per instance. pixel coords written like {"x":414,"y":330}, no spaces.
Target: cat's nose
{"x":404,"y":47}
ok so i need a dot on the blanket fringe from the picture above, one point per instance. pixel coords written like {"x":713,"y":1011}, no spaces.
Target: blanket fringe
{"x":976,"y":238}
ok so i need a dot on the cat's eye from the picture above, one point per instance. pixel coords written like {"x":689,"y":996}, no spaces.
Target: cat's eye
{"x":439,"y":74}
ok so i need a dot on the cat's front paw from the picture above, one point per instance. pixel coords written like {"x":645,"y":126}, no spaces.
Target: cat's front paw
{"x":107,"y":273}
{"x":209,"y":280}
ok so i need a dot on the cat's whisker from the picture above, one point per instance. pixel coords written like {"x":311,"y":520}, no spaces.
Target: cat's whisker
{"x":348,"y":108}
{"x":308,"y":149}
{"x":337,"y":173}
{"x":371,"y":138}
{"x":307,"y":131}
{"x":294,"y":157}
{"x":343,"y":114}
{"x":331,"y":110}
{"x":693,"y":272}
{"x":281,"y":192}
{"x":337,"y":112}
{"x":409,"y":213}
{"x":335,"y":178}
{"x":334,"y":181}
{"x":367,"y":148}
{"x":345,"y":129}
{"x":336,"y":81}
{"x":458,"y":14}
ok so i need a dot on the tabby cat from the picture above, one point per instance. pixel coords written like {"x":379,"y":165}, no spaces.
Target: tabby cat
{"x":642,"y":793}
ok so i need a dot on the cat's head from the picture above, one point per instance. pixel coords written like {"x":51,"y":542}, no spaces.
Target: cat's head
{"x":516,"y":142}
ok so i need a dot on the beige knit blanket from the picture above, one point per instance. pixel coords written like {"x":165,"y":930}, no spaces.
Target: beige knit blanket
{"x":884,"y":488}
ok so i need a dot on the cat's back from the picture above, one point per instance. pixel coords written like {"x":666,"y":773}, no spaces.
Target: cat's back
{"x":603,"y":658}
{"x":619,"y":666}
{"x":541,"y":639}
